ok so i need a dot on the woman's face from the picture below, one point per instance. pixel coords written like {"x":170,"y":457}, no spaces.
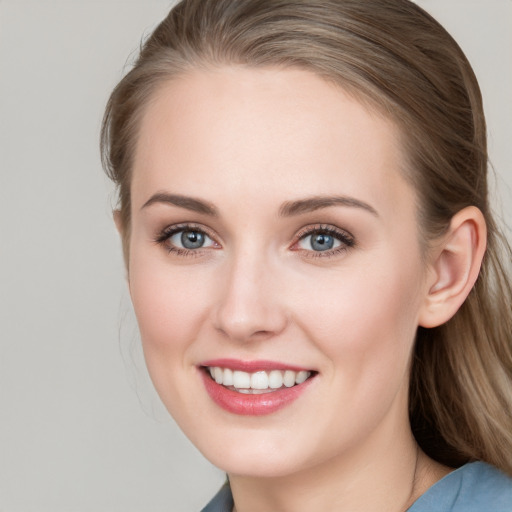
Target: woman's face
{"x":274,"y":240}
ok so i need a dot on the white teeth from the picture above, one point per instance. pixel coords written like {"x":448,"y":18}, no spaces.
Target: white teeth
{"x":218,"y":375}
{"x":289,"y":378}
{"x":301,"y":377}
{"x":228,"y":377}
{"x":241,"y":380}
{"x":245,"y":382}
{"x":275,"y":379}
{"x":259,"y":380}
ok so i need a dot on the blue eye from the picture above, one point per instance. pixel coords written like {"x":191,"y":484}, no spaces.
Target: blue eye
{"x":190,"y":239}
{"x":325,"y":240}
{"x":319,"y":241}
{"x":185,"y":239}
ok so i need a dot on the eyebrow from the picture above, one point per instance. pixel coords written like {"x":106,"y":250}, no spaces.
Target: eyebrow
{"x":311,"y":204}
{"x":189,"y":203}
{"x":288,"y":209}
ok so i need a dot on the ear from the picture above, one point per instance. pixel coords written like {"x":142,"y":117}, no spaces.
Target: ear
{"x":454,"y":267}
{"x":118,"y":222}
{"x":122,"y":233}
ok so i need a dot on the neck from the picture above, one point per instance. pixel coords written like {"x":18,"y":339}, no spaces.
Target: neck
{"x":388,"y":479}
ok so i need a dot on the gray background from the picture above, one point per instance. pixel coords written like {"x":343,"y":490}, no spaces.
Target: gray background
{"x":80,"y":427}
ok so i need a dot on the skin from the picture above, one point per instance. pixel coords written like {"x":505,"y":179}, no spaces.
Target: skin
{"x":247,"y":142}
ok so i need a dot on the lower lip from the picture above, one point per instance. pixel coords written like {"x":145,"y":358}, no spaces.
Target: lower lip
{"x":252,"y":405}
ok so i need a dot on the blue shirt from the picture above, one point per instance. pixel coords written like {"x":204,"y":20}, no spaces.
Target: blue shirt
{"x":474,"y":487}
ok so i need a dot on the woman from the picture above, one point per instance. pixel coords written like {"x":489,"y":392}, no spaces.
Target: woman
{"x":322,"y":293}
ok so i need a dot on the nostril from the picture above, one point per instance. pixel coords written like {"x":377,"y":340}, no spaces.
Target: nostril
{"x":243,"y":334}
{"x":248,"y":306}
{"x":260,"y":326}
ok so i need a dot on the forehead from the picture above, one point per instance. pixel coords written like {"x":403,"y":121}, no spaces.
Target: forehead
{"x":267,"y":131}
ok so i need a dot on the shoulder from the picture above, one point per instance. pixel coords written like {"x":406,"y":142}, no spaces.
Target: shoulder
{"x":474,"y":487}
{"x":221,"y":502}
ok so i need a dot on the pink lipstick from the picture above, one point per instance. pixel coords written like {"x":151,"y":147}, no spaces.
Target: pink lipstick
{"x":253,"y":388}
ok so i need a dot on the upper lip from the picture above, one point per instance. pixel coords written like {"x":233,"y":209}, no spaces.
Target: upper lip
{"x":252,"y":366}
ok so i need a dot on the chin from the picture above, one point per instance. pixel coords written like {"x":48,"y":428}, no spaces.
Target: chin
{"x":257,"y":452}
{"x":256,"y":465}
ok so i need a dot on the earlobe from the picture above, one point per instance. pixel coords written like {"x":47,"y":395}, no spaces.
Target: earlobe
{"x":118,"y":221}
{"x":455,"y":267}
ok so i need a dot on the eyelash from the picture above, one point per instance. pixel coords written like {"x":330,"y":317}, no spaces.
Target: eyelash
{"x":165,"y":235}
{"x":346,"y":240}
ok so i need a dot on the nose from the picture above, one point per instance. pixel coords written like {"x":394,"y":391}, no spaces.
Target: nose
{"x":250,"y":305}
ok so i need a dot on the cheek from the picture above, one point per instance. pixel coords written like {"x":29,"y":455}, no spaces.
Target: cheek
{"x":170,"y":305}
{"x":365,"y":319}
{"x":365,"y":324}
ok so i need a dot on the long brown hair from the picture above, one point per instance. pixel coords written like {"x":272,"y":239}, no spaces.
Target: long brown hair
{"x":394,"y":56}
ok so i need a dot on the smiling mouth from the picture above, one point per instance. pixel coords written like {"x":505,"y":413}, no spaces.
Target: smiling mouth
{"x":259,"y":382}
{"x":254,"y":388}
